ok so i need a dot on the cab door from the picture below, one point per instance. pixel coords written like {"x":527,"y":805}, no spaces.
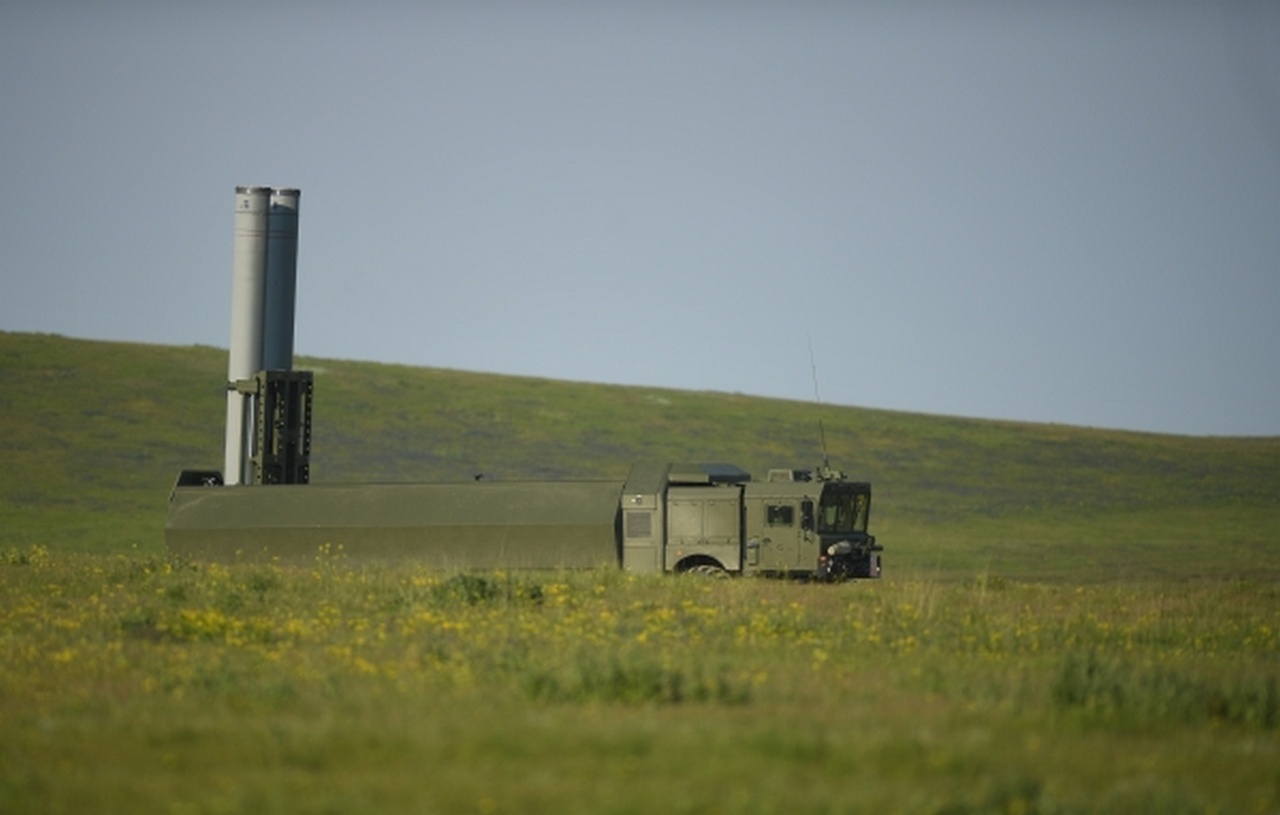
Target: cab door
{"x":780,"y":534}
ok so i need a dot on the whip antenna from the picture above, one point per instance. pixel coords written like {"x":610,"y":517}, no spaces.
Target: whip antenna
{"x":822,"y":431}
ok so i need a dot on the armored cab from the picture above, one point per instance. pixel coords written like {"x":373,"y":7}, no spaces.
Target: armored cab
{"x":716,"y":518}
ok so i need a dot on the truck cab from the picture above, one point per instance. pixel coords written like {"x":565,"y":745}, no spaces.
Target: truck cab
{"x":845,"y":548}
{"x":714,"y":518}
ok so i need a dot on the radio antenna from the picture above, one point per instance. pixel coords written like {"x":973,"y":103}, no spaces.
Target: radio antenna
{"x":822,"y":431}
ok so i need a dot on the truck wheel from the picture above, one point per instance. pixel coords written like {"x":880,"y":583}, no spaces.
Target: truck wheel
{"x":708,"y":570}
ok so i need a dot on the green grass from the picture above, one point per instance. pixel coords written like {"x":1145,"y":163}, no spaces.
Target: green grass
{"x":137,"y":683}
{"x":1072,"y":621}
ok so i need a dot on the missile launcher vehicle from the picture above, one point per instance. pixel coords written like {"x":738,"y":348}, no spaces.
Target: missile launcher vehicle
{"x":692,"y":518}
{"x":700,"y":518}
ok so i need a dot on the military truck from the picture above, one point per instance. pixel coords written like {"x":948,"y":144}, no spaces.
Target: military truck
{"x":703,"y":518}
{"x":700,"y":518}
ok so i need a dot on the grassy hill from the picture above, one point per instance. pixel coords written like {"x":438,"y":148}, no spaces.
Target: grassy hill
{"x":92,"y":435}
{"x":1041,"y":642}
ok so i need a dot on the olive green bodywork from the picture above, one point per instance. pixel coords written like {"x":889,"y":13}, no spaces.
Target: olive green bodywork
{"x":663,"y":518}
{"x":470,"y":525}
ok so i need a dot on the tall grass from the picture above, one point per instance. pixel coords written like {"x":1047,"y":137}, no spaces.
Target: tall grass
{"x":143,"y":683}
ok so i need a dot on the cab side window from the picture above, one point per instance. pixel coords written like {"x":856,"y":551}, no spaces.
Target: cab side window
{"x":780,"y":514}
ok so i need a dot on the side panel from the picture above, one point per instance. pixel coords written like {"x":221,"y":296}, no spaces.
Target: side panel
{"x":704,"y":521}
{"x":512,"y":525}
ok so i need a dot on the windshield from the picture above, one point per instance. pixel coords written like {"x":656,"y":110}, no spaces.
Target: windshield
{"x":843,"y":509}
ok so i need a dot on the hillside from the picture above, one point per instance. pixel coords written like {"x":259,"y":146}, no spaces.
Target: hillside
{"x":93,"y":433}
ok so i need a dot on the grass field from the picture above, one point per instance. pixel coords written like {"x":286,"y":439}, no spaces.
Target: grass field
{"x":1072,"y":621}
{"x":143,"y":684}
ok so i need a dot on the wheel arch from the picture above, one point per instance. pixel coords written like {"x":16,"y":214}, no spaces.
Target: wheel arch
{"x":699,"y":563}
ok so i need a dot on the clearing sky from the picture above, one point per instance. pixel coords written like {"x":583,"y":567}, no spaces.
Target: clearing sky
{"x":1051,"y":212}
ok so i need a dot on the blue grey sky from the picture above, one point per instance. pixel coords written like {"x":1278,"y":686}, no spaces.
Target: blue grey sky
{"x":1051,"y":212}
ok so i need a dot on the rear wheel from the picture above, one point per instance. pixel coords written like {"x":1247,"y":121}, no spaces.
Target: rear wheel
{"x":707,"y":570}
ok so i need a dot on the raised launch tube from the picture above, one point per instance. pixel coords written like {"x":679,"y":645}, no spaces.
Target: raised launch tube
{"x":263,"y":286}
{"x":281,"y":280}
{"x":248,"y":275}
